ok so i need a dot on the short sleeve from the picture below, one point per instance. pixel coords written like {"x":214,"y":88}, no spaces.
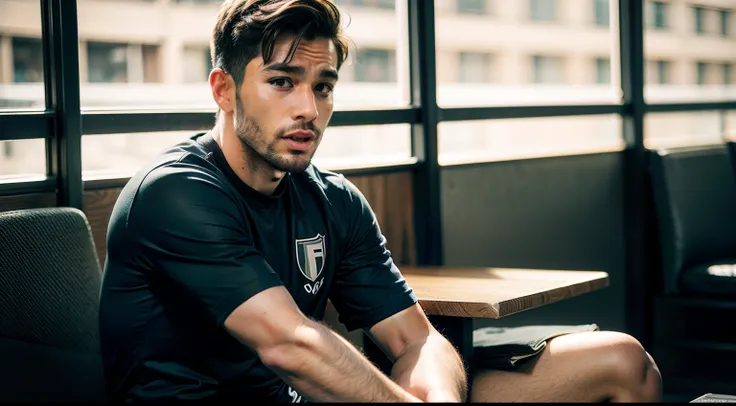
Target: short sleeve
{"x":368,"y":287}
{"x":191,"y":235}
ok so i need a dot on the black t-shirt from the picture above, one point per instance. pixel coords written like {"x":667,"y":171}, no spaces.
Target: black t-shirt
{"x":188,"y":242}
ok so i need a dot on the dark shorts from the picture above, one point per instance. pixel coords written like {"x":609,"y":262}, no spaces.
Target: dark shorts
{"x":501,"y":348}
{"x":506,"y":348}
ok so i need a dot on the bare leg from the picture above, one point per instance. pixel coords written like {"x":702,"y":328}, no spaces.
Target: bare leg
{"x":596,"y":366}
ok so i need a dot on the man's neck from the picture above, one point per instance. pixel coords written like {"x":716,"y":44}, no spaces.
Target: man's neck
{"x":250,"y":168}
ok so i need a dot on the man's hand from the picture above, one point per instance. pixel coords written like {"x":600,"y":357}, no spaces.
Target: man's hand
{"x":442,"y":396}
{"x":425,"y":363}
{"x":311,"y":358}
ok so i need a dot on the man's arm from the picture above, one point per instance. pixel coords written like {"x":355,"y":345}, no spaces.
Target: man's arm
{"x":186,"y":222}
{"x":314,"y":360}
{"x":425,"y":363}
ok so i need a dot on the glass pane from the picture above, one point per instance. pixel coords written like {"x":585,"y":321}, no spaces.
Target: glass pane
{"x":22,"y":159}
{"x":602,"y":12}
{"x":518,"y":52}
{"x":120,"y":155}
{"x":497,"y":140}
{"x":689,"y":51}
{"x":21,"y":55}
{"x":663,"y":130}
{"x":729,"y":128}
{"x":358,"y":146}
{"x":471,"y":6}
{"x":163,"y":60}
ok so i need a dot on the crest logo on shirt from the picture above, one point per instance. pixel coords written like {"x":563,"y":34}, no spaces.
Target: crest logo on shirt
{"x":310,"y":256}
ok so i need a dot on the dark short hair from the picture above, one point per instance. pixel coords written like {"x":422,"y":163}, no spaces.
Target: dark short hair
{"x":246,"y":29}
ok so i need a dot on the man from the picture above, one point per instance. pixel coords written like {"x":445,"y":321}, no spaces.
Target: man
{"x":223,"y":252}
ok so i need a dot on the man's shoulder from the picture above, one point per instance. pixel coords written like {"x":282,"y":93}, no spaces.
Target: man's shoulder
{"x":335,"y":186}
{"x":182,"y":161}
{"x":180,"y":171}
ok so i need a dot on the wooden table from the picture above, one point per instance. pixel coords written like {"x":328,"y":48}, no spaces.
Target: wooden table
{"x":492,"y":293}
{"x":453,"y":296}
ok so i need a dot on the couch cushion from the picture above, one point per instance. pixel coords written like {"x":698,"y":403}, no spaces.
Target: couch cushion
{"x":695,"y":199}
{"x":714,"y":278}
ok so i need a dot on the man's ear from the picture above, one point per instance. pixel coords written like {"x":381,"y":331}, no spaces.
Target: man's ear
{"x":223,"y":90}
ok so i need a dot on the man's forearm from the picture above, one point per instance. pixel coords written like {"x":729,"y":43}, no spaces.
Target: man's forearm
{"x":322,"y":366}
{"x":432,"y":370}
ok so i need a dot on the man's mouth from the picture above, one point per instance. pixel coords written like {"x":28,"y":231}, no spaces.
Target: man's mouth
{"x":300,"y":140}
{"x":301,"y":135}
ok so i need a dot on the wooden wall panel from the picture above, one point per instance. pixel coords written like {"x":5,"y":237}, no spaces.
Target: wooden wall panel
{"x":391,"y":198}
{"x":98,"y":206}
{"x":27,"y":201}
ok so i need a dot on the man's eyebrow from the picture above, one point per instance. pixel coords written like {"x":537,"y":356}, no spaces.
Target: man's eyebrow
{"x":299,"y":70}
{"x":286,"y":68}
{"x":328,"y":74}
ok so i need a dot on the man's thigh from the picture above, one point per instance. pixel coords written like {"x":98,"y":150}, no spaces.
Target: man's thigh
{"x":578,"y":367}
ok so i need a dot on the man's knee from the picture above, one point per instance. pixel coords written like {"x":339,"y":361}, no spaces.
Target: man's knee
{"x":631,"y":368}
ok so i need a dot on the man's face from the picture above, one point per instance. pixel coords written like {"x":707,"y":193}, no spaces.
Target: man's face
{"x":283,"y":109}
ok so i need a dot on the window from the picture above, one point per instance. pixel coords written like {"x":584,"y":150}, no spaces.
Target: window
{"x":602,"y":12}
{"x":699,"y":14}
{"x":660,"y":72}
{"x":657,"y":14}
{"x":667,"y":130}
{"x":547,"y":69}
{"x":702,"y":72}
{"x":504,"y":139}
{"x":151,"y":64}
{"x":343,"y":147}
{"x":542,"y":10}
{"x":602,"y":71}
{"x":359,"y":3}
{"x":374,"y":76}
{"x":727,"y":69}
{"x":474,"y":67}
{"x":22,"y":159}
{"x":471,"y":7}
{"x":162,"y":61}
{"x":387,"y":4}
{"x":561,"y":74}
{"x":107,"y":63}
{"x":122,"y":63}
{"x":725,"y":16}
{"x":197,"y":63}
{"x":27,"y":60}
{"x":21,"y":57}
{"x":376,"y":65}
{"x":8,"y":149}
{"x":663,"y":69}
{"x":694,"y":54}
{"x":120,"y":155}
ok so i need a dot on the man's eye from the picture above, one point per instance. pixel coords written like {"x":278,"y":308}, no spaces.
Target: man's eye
{"x":280,"y":82}
{"x":325,"y":88}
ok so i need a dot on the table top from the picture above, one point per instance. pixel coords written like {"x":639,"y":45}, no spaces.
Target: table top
{"x":495,"y":292}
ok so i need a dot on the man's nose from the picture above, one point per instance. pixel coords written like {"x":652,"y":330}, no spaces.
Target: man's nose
{"x":305,"y":108}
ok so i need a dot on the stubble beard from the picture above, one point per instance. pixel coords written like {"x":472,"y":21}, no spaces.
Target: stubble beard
{"x":261,"y":154}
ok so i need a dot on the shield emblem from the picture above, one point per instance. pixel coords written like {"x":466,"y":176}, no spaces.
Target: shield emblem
{"x":310,"y":256}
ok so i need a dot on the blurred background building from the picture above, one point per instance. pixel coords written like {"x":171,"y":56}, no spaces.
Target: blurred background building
{"x":140,"y":54}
